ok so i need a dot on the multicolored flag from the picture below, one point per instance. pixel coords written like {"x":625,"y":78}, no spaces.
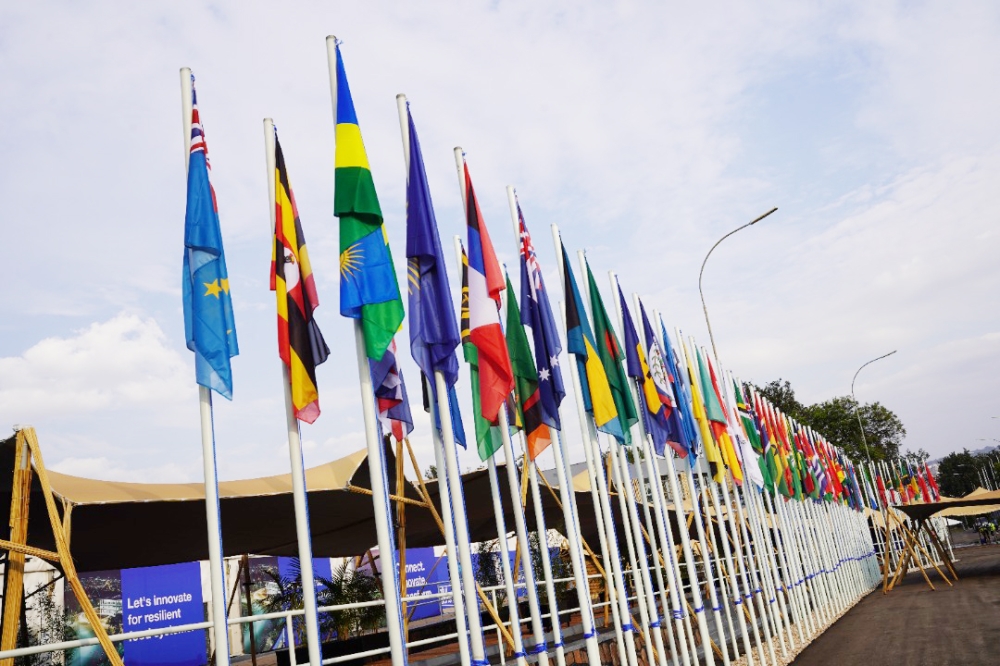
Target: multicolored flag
{"x":597,"y":398}
{"x":716,"y":465}
{"x":526,"y":379}
{"x":368,"y":287}
{"x":687,"y":431}
{"x":209,"y":325}
{"x":717,"y":421}
{"x":434,"y":334}
{"x":611,"y":355}
{"x":654,"y":410}
{"x":755,"y":465}
{"x":536,"y":313}
{"x":390,"y":395}
{"x":496,"y":377}
{"x":661,"y":371}
{"x":933,"y":484}
{"x":300,"y":342}
{"x":488,"y":439}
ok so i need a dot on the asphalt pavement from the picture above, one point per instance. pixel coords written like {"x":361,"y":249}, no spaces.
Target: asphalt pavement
{"x":913,"y":625}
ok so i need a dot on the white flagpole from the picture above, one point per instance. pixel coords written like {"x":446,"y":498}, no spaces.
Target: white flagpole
{"x":678,"y":498}
{"x":700,"y":530}
{"x":454,"y":576}
{"x":508,"y":577}
{"x":624,"y":632}
{"x":220,"y":628}
{"x":377,"y":475}
{"x":302,"y":534}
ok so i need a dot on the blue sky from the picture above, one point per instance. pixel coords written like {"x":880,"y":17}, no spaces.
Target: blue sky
{"x":644,"y":132}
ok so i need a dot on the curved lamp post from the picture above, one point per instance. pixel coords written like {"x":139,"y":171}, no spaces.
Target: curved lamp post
{"x":857,"y":411}
{"x":702,"y":272}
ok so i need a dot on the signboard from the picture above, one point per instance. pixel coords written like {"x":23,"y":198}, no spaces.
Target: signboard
{"x":426,"y":574}
{"x":154,"y":597}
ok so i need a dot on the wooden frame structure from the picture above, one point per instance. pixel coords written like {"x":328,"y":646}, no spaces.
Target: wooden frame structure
{"x":28,"y":462}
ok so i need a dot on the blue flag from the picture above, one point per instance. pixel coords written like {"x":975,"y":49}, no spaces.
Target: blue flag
{"x":536,"y":313}
{"x":209,"y":326}
{"x":688,"y":432}
{"x":434,"y":334}
{"x":653,"y":404}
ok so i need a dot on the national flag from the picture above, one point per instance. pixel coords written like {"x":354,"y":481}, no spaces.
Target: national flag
{"x":597,"y":398}
{"x":933,"y":483}
{"x":536,"y":313}
{"x":769,"y":461}
{"x":611,"y":355}
{"x":662,"y":372}
{"x":651,"y":404}
{"x":368,"y":287}
{"x":756,"y":463}
{"x":300,"y":343}
{"x":712,"y":454}
{"x":390,"y":395}
{"x":687,"y":431}
{"x":714,"y":418}
{"x":496,"y":377}
{"x":209,"y":326}
{"x":434,"y":334}
{"x":488,"y":440}
{"x":723,"y":430}
{"x":526,"y":380}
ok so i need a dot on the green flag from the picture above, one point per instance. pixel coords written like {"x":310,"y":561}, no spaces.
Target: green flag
{"x":612,"y":356}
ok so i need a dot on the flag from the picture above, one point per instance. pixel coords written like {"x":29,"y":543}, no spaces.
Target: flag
{"x":754,"y":458}
{"x":390,"y":395}
{"x":526,"y":380}
{"x":611,"y":356}
{"x":768,"y":460}
{"x":723,"y":429}
{"x":209,"y":326}
{"x":712,"y":454}
{"x":597,"y":398}
{"x":485,"y":282}
{"x":687,"y":442}
{"x":651,"y":399}
{"x":713,"y":420}
{"x":933,"y":484}
{"x":661,"y":372}
{"x":434,"y":334}
{"x":488,"y":440}
{"x":300,"y":343}
{"x":368,"y":287}
{"x":536,"y":313}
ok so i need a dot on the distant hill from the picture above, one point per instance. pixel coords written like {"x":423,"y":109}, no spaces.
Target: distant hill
{"x":975,"y":452}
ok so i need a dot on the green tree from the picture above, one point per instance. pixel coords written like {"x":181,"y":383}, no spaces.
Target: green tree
{"x":837,"y":420}
{"x":958,"y":474}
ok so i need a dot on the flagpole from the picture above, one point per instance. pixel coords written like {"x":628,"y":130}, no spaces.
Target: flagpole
{"x":216,"y":567}
{"x":302,"y":535}
{"x":675,"y":491}
{"x":700,"y":530}
{"x":570,"y":512}
{"x":624,"y":632}
{"x":454,"y":575}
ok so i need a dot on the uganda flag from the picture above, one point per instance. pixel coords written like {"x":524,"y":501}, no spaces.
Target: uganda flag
{"x":368,"y":287}
{"x":300,"y":343}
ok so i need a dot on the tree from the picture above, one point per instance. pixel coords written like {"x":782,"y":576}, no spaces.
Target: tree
{"x":958,"y":474}
{"x":837,"y":420}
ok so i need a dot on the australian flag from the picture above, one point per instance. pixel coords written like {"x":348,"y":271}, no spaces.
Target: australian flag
{"x":536,"y":313}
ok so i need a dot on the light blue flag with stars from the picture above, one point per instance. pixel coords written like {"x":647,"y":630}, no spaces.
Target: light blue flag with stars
{"x":209,"y":325}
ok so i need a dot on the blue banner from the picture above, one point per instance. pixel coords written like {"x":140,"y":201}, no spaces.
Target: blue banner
{"x":154,"y":597}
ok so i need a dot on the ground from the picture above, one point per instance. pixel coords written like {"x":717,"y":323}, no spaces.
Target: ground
{"x":914,"y":625}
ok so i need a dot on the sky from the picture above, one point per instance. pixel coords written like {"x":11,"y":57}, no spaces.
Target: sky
{"x":644,"y":131}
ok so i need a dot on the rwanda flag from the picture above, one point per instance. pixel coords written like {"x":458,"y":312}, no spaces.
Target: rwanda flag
{"x":368,"y":287}
{"x":209,"y":326}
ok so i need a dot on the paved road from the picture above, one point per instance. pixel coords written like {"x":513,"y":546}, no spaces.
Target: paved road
{"x":913,"y":625}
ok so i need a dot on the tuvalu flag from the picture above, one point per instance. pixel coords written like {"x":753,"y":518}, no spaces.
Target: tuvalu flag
{"x":597,"y":398}
{"x":209,"y":326}
{"x":368,"y":287}
{"x":300,"y":343}
{"x":611,"y":355}
{"x":526,"y":382}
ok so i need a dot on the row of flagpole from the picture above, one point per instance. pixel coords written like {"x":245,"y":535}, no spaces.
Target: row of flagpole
{"x":784,"y":566}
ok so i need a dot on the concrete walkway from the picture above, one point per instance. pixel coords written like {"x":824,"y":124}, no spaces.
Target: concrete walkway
{"x":913,"y":625}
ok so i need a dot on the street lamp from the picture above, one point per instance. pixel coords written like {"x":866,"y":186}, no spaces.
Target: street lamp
{"x":857,"y":411}
{"x":702,"y":272}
